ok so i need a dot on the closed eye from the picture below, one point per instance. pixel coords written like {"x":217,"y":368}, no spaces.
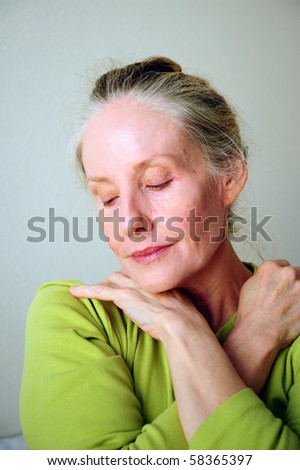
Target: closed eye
{"x":159,"y":186}
{"x":109,"y":202}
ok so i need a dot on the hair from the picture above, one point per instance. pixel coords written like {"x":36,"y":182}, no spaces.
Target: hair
{"x":202,"y":114}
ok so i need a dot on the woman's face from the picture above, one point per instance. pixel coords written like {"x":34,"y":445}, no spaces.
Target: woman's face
{"x":161,"y":211}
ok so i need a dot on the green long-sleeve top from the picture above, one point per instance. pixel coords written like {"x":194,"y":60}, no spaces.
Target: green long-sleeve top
{"x":93,"y":380}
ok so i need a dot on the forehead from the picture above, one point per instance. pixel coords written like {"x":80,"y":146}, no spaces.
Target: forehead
{"x":126,"y":132}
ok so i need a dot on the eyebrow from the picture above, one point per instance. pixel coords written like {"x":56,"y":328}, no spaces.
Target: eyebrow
{"x":140,"y":166}
{"x":153,"y":160}
{"x":97,"y":179}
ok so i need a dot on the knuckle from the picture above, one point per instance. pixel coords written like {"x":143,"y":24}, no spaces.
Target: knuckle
{"x":268,"y":267}
{"x":289,"y":273}
{"x":98,"y":288}
{"x":297,"y":286}
{"x":128,"y":291}
{"x":285,"y":272}
{"x":113,"y":276}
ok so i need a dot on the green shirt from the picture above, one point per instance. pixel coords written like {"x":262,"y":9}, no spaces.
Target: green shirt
{"x":93,"y":380}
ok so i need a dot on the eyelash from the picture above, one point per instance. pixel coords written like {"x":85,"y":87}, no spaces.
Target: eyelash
{"x":154,"y":187}
{"x":109,"y":202}
{"x":159,"y":186}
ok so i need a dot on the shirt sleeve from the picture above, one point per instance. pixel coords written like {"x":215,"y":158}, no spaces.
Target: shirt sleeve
{"x":244,"y":421}
{"x":77,"y":391}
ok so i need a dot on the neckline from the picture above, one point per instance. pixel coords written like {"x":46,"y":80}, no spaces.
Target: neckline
{"x":224,"y":331}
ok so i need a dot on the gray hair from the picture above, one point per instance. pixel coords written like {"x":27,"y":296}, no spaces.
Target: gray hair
{"x":203,"y":114}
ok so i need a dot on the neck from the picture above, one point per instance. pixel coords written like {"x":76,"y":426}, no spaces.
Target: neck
{"x":216,"y":288}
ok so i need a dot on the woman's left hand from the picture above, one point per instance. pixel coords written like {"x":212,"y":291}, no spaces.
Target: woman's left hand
{"x":153,"y":313}
{"x":202,"y":375}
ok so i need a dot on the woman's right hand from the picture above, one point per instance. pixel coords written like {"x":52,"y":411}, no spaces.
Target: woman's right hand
{"x":268,"y":320}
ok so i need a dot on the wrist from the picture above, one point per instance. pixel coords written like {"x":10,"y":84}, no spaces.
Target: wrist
{"x":180,"y":328}
{"x":254,"y":338}
{"x":252,"y":355}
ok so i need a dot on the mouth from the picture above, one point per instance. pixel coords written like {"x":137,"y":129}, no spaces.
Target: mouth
{"x":149,"y":254}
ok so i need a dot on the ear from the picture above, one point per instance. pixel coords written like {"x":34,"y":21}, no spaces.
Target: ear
{"x":232,"y":185}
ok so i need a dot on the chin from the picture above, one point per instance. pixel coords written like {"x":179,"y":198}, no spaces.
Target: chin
{"x":155,"y":278}
{"x":156,"y":284}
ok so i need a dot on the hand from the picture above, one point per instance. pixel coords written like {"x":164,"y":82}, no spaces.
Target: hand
{"x":202,"y":375}
{"x":153,"y":313}
{"x":268,"y":320}
{"x":269,"y":303}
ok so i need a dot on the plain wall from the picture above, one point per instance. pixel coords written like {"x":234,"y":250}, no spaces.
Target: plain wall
{"x":248,"y":48}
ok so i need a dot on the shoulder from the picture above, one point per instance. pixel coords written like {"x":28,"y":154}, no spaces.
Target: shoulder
{"x":53,"y":299}
{"x":55,"y":310}
{"x":286,"y":368}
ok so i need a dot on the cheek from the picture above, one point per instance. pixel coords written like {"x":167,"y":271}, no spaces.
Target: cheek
{"x":110,"y":233}
{"x":200,"y":218}
{"x":113,"y":236}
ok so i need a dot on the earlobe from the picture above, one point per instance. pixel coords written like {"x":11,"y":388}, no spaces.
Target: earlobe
{"x":233,"y":184}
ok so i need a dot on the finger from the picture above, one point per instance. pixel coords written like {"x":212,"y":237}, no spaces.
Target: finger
{"x":282,"y":262}
{"x":97,"y":291}
{"x":114,"y":280}
{"x":123,"y":272}
{"x":295,"y":269}
{"x":120,"y":279}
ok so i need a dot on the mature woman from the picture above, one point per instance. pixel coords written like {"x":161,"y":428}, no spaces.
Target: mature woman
{"x":186,"y":347}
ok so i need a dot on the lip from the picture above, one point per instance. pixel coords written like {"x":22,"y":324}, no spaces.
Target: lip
{"x":149,"y":254}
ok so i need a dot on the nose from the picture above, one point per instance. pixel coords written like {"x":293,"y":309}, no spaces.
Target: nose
{"x":135,"y":217}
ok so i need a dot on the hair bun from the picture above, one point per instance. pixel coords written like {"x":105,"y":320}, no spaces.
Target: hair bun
{"x":158,"y":65}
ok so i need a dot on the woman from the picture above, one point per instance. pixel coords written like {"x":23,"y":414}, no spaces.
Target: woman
{"x":173,"y":351}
